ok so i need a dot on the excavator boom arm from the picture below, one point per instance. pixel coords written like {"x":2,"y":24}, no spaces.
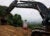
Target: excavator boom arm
{"x":43,"y":10}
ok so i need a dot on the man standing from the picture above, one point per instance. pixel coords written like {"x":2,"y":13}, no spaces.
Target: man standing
{"x":25,"y":25}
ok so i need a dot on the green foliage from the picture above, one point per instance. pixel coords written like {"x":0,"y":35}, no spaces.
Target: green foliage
{"x":9,"y":19}
{"x":17,"y":20}
{"x":33,"y":26}
{"x":2,"y":10}
{"x":14,"y":20}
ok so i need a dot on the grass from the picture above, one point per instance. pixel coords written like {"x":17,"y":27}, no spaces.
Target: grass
{"x":32,"y":26}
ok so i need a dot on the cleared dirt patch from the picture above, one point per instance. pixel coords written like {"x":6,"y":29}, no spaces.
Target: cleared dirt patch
{"x":7,"y":30}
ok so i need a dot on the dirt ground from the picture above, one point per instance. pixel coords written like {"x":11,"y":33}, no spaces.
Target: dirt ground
{"x":7,"y":30}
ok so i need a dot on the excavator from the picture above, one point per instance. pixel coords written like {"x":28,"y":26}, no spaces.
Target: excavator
{"x":43,"y":10}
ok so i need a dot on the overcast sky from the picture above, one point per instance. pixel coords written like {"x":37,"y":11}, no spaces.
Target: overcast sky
{"x":28,"y":14}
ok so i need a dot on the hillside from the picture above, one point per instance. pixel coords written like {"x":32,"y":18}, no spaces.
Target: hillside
{"x":7,"y":30}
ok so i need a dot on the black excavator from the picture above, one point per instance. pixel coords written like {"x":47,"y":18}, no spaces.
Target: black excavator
{"x":43,"y":10}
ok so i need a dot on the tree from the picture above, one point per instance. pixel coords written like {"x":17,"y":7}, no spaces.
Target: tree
{"x":10,"y":19}
{"x":14,"y":20}
{"x":2,"y":8}
{"x":17,"y":20}
{"x":2,"y":13}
